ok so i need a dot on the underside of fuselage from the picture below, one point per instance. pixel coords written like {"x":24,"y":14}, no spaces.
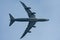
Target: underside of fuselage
{"x":30,"y":19}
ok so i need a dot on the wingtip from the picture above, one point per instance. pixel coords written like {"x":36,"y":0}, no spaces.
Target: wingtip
{"x":9,"y":25}
{"x":20,"y":1}
{"x":21,"y":38}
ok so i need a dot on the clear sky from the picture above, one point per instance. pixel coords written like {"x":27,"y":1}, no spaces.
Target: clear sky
{"x":49,"y":9}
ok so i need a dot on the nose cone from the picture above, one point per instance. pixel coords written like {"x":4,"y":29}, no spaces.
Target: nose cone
{"x":47,"y":19}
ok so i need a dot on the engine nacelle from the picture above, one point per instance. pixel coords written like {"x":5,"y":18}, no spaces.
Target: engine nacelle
{"x":34,"y":26}
{"x":28,"y":8}
{"x":29,"y":31}
{"x":33,"y":13}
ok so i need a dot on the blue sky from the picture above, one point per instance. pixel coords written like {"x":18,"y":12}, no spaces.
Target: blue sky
{"x":49,"y":9}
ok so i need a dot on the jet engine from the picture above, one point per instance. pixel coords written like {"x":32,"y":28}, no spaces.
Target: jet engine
{"x":33,"y":13}
{"x":34,"y":26}
{"x":29,"y":31}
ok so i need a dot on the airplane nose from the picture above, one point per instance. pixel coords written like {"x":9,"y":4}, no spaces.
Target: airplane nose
{"x":47,"y":19}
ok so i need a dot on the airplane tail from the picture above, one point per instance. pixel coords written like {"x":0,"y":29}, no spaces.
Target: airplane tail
{"x":12,"y":20}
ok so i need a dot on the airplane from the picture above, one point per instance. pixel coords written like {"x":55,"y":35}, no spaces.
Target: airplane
{"x":32,"y":19}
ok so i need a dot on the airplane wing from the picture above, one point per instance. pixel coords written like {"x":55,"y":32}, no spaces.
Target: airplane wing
{"x":30,"y":25}
{"x":27,"y":9}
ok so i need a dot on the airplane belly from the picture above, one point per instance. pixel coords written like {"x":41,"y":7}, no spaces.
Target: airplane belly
{"x":22,"y":19}
{"x":25,"y":19}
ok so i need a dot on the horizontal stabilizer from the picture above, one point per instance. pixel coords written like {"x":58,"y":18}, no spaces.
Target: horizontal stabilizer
{"x":11,"y":20}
